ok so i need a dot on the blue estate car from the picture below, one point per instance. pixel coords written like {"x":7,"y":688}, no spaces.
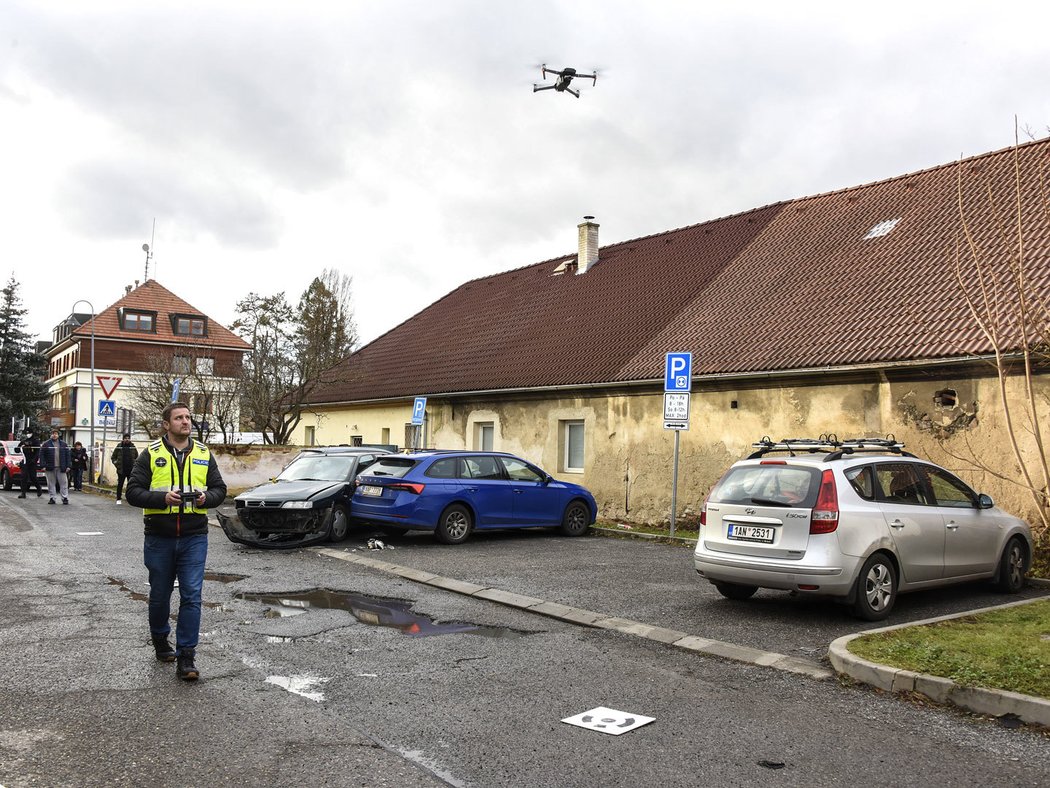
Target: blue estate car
{"x":453,"y":492}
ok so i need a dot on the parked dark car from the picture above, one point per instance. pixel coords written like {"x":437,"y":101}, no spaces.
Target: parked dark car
{"x":11,"y":465}
{"x":309,"y":502}
{"x":452,"y":493}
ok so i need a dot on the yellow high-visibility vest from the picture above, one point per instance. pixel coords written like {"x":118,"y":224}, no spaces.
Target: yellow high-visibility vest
{"x":166,"y":474}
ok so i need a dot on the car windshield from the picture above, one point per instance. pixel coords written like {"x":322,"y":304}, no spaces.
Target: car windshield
{"x":768,"y":485}
{"x":317,"y":469}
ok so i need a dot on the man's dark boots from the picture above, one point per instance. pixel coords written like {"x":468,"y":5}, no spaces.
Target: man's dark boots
{"x":184,"y":667}
{"x":165,"y":653}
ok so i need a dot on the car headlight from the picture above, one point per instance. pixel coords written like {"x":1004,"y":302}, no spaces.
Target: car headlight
{"x":297,"y":505}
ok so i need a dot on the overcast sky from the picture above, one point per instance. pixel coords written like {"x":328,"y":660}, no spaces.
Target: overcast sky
{"x":400,"y":141}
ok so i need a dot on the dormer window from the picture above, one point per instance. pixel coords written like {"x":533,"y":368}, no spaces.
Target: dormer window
{"x":135,"y":320}
{"x":189,"y":325}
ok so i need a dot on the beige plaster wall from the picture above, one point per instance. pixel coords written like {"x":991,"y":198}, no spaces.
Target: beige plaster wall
{"x":629,"y":456}
{"x":256,"y":464}
{"x":338,"y":425}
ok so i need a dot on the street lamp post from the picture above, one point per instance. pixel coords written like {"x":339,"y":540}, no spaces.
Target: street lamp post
{"x":91,"y":413}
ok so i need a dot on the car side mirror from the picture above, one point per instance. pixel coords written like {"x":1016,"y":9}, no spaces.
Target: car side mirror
{"x":984,"y":501}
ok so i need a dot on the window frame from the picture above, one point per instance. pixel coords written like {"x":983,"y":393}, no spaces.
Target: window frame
{"x":138,"y":314}
{"x":566,"y":455}
{"x":178,"y":317}
{"x":480,"y":430}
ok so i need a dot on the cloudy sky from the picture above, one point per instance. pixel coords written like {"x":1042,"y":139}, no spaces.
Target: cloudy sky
{"x":400,"y":142}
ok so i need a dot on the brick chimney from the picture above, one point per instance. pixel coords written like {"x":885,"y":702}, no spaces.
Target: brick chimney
{"x":588,"y":246}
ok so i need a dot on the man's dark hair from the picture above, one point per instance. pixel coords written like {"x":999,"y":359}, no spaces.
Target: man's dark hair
{"x":126,"y":436}
{"x":166,"y":415}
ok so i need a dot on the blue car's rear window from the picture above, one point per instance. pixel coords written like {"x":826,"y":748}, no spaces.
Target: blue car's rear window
{"x":390,"y":466}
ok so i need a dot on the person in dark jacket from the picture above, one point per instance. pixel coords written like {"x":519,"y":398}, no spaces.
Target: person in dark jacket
{"x":175,"y":481}
{"x":123,"y":458}
{"x":79,"y":457}
{"x":56,"y":460}
{"x":30,"y":448}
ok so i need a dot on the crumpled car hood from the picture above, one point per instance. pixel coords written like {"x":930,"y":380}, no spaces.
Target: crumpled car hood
{"x":289,"y":491}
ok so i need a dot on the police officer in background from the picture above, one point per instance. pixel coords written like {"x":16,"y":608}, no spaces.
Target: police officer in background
{"x":123,"y":458}
{"x":175,"y":481}
{"x":30,"y":448}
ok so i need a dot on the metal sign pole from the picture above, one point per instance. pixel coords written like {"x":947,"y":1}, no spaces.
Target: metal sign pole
{"x":674,"y":482}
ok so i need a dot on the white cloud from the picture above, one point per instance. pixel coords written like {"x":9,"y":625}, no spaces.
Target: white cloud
{"x":401,"y":143}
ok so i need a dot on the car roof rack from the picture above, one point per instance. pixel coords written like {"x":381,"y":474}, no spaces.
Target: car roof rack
{"x":829,"y":443}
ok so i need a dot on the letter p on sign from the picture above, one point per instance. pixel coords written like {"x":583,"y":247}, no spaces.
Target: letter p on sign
{"x":678,"y":372}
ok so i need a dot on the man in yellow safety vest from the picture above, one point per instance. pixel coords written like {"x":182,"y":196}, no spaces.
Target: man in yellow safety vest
{"x":175,"y":481}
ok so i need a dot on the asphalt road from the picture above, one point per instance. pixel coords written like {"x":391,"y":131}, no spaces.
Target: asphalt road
{"x":83,"y":702}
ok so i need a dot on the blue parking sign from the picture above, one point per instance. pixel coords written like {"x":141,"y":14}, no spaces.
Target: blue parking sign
{"x":419,"y":408}
{"x":678,"y":372}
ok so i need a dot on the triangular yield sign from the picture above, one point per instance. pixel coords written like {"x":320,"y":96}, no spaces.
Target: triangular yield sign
{"x":109,"y":385}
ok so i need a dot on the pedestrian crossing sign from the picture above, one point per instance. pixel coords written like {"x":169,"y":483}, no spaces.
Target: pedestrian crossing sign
{"x":107,"y":408}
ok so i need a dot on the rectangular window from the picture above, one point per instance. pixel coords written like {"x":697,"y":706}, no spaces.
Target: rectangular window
{"x":138,"y":321}
{"x":205,"y":366}
{"x":311,"y":436}
{"x":201,"y":404}
{"x":572,"y":456}
{"x":483,"y":434}
{"x":180,"y":365}
{"x":188,"y":326}
{"x":386,"y":436}
{"x":357,"y":440}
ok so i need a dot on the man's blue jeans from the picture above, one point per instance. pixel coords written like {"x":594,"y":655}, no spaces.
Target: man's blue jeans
{"x":166,"y":559}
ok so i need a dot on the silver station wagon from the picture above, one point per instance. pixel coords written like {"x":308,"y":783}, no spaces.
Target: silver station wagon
{"x":858,"y":520}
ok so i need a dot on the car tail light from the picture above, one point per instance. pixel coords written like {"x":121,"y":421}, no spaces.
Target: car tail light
{"x":411,"y":487}
{"x":703,"y":513}
{"x":825,"y":517}
{"x":773,"y":462}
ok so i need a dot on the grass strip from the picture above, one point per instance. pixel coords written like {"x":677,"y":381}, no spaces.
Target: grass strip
{"x":1002,"y":649}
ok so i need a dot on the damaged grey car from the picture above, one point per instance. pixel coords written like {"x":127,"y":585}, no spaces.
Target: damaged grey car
{"x":309,"y":502}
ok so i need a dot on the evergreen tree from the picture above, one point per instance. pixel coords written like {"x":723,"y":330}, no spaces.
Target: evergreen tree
{"x":326,"y":330}
{"x":22,"y":388}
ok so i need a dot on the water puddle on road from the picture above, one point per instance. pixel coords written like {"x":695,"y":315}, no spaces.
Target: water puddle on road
{"x":375,"y":611}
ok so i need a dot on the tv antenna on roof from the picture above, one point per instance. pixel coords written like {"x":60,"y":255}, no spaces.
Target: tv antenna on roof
{"x":146,"y":249}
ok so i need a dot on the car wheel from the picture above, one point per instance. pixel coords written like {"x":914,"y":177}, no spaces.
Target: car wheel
{"x":454,"y":525}
{"x":1011,"y":568}
{"x":735,"y":590}
{"x":576,"y":521}
{"x":876,"y":589}
{"x":339,"y":527}
{"x":6,"y":477}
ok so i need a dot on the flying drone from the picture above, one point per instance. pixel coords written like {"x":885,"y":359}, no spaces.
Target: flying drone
{"x":565,"y":77}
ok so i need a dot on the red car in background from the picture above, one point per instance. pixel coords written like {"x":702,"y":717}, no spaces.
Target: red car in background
{"x":11,"y":466}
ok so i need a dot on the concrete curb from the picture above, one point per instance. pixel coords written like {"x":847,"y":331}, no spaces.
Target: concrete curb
{"x":590,"y":618}
{"x":977,"y":699}
{"x":623,"y":534}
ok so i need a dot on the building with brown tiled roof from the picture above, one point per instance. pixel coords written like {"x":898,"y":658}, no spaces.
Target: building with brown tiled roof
{"x":147,"y":330}
{"x":844,"y":312}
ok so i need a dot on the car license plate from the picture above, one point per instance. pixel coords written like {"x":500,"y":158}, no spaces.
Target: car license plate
{"x":372,"y":490}
{"x":750,"y":533}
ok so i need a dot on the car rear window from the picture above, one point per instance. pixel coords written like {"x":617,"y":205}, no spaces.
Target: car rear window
{"x":390,"y":466}
{"x":768,"y":485}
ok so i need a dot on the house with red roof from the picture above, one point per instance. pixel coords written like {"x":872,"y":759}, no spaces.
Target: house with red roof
{"x":851,"y":312}
{"x":148,"y":330}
